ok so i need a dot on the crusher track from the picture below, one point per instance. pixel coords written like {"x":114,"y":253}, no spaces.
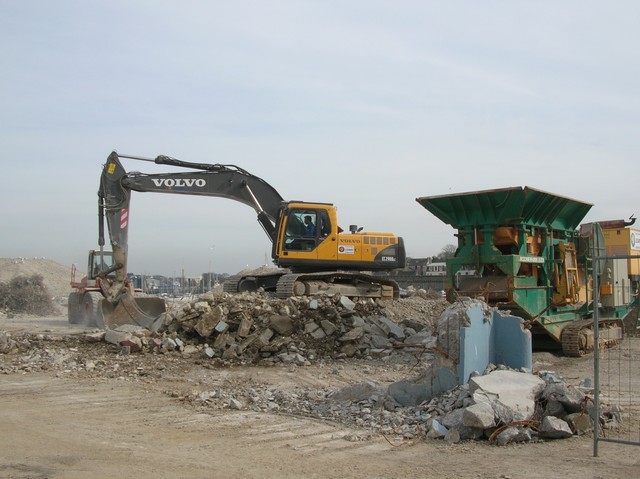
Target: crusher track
{"x":578,"y":337}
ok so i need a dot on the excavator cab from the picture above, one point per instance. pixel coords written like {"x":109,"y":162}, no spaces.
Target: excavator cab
{"x":308,"y":238}
{"x":305,"y":236}
{"x":99,"y":263}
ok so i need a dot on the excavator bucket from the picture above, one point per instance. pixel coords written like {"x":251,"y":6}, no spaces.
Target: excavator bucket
{"x":131,"y":310}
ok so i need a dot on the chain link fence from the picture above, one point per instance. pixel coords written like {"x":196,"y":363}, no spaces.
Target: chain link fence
{"x":617,"y":369}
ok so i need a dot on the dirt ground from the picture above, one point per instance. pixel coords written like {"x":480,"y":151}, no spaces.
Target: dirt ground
{"x":137,"y":422}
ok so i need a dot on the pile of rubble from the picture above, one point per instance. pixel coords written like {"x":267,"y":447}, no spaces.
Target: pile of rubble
{"x":545,"y":408}
{"x":502,"y":405}
{"x":258,"y":328}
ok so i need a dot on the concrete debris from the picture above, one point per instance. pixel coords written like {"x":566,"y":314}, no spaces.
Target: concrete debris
{"x":569,"y":397}
{"x":221,"y":331}
{"x":514,"y":390}
{"x":513,"y":435}
{"x":582,"y":424}
{"x":555,"y":428}
{"x":7,"y":345}
{"x":254,"y":327}
{"x":479,"y":416}
{"x":437,"y":430}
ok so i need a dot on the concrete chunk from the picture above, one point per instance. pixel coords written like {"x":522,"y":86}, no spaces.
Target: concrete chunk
{"x":347,"y":303}
{"x":283,"y":325}
{"x":328,"y":327}
{"x":208,"y":321}
{"x":514,"y":389}
{"x":580,"y":423}
{"x":479,"y":416}
{"x":310,"y":327}
{"x":353,"y":335}
{"x":393,"y":329}
{"x":555,"y":428}
{"x":202,"y":306}
{"x":513,"y":434}
{"x":407,"y":393}
{"x":245,"y":326}
{"x":437,"y":431}
{"x":266,"y":336}
{"x":379,"y":342}
{"x":570,"y":397}
{"x":116,"y":337}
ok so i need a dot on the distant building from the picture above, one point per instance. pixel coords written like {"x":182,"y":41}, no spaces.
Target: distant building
{"x":435,"y":269}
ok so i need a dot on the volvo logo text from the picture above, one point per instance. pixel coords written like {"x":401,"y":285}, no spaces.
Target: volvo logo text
{"x":170,"y":182}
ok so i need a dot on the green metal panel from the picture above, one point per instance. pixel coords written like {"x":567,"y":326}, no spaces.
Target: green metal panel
{"x":507,"y":207}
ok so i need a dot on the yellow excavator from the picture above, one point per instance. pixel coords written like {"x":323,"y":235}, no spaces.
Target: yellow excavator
{"x":314,"y":255}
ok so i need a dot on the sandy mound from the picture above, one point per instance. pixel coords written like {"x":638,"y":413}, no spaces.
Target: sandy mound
{"x":56,"y":277}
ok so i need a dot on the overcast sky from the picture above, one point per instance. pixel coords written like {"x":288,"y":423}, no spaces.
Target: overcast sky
{"x":364,"y":104}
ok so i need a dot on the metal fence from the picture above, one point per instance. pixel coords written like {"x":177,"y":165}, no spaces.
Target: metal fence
{"x":616,"y":369}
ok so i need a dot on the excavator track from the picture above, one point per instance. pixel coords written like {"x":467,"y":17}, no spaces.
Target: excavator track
{"x":347,"y":284}
{"x":578,"y":337}
{"x":230,"y":285}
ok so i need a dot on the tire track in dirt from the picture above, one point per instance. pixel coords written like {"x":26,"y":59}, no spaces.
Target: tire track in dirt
{"x":69,"y":427}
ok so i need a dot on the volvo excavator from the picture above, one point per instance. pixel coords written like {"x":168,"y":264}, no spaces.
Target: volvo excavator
{"x":314,"y":255}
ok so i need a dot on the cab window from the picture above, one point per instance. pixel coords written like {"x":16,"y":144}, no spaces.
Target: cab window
{"x":101,"y":263}
{"x":302,"y":231}
{"x":324,"y":224}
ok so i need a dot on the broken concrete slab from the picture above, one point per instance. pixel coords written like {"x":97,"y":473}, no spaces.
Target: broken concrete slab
{"x":513,"y":434}
{"x":113,"y":336}
{"x":379,"y":342}
{"x":555,"y":428}
{"x":470,"y":337}
{"x":282,"y":325}
{"x":479,"y":415}
{"x":580,"y":423}
{"x":437,"y":430}
{"x":571,"y":399}
{"x":208,"y":321}
{"x":389,"y":327}
{"x":328,"y":327}
{"x":347,"y":303}
{"x":517,"y":391}
{"x":353,"y":335}
{"x":423,"y":338}
{"x":454,"y":420}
